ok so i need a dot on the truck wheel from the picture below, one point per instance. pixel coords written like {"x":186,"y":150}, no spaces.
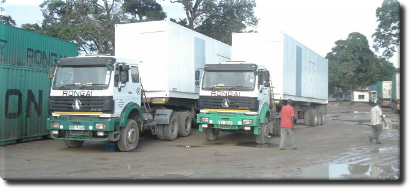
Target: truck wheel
{"x":159,"y":132}
{"x":313,"y":118}
{"x":262,"y":138}
{"x":306,"y":117}
{"x":171,"y":130}
{"x":322,"y":117}
{"x":74,"y":144}
{"x":129,"y":136}
{"x":319,"y":117}
{"x":185,"y":124}
{"x":211,"y":134}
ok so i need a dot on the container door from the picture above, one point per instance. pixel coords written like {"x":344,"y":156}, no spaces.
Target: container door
{"x":199,"y":57}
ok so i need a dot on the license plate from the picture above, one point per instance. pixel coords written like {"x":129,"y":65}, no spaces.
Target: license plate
{"x":76,"y":127}
{"x":225,"y":122}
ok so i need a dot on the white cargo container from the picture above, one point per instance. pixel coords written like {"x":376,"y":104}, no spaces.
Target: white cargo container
{"x":168,"y":55}
{"x":297,"y":72}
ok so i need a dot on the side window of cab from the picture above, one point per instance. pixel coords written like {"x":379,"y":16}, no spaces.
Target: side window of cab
{"x":135,"y":75}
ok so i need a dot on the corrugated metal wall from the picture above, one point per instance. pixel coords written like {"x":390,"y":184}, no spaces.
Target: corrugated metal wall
{"x":24,"y":85}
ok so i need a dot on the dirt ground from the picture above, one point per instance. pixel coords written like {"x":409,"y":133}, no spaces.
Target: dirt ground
{"x":340,"y":149}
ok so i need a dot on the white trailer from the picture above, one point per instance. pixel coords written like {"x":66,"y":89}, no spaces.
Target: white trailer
{"x":296,"y":72}
{"x":168,"y":55}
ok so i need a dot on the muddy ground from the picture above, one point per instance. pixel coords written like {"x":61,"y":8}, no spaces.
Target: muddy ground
{"x":339,"y":149}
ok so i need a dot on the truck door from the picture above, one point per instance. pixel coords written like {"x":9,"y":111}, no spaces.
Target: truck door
{"x":136,"y":85}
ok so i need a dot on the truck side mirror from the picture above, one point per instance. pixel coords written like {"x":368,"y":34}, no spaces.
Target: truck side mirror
{"x":266,"y":73}
{"x":266,"y":84}
{"x":197,"y":75}
{"x":51,"y":71}
{"x":124,"y":77}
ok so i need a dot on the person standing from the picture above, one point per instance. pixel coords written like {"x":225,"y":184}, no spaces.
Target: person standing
{"x":287,"y":115}
{"x":376,"y":115}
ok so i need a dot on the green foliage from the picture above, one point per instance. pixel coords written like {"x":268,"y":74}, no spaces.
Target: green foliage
{"x":352,"y":65}
{"x":146,"y":10}
{"x":387,"y":35}
{"x":7,"y":20}
{"x":32,"y":27}
{"x":387,"y":69}
{"x":89,"y":23}
{"x":219,"y":19}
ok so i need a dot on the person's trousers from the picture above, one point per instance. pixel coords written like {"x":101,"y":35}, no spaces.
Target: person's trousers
{"x":377,"y":130}
{"x":283,"y":133}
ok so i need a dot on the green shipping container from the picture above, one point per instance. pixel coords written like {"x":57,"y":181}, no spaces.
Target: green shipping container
{"x":24,"y":84}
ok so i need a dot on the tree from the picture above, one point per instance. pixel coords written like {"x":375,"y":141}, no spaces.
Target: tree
{"x":89,"y":23}
{"x":219,"y":19}
{"x":146,"y":10}
{"x":5,"y":19}
{"x":33,"y":27}
{"x":387,"y":35}
{"x":352,"y":65}
{"x":387,"y":69}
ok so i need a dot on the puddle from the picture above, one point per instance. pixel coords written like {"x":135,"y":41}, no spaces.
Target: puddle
{"x":188,"y":146}
{"x":357,"y":122}
{"x":358,"y":112}
{"x":255,"y":145}
{"x":350,"y":171}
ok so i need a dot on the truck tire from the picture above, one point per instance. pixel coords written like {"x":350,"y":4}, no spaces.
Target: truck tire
{"x":322,"y":117}
{"x":73,"y":144}
{"x":306,"y":117}
{"x":313,"y":118}
{"x":185,"y":124}
{"x":129,"y":136}
{"x":159,"y":132}
{"x":171,"y":130}
{"x":262,"y":137}
{"x":319,"y":117}
{"x":211,"y":134}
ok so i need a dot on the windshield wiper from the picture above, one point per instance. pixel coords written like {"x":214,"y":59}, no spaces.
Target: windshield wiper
{"x":66,"y":85}
{"x":230,"y":87}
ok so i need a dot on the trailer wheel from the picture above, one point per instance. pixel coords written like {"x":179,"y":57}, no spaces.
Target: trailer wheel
{"x":313,"y":118}
{"x":73,"y":144}
{"x":159,"y":132}
{"x":171,"y":130}
{"x":321,"y":117}
{"x":185,"y":124}
{"x":306,"y":117}
{"x":129,"y":136}
{"x":211,"y":133}
{"x":262,"y":137}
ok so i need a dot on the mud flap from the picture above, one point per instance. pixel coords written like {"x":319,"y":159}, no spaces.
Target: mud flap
{"x":163,"y":116}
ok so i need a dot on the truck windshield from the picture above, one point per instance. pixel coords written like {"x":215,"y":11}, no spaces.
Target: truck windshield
{"x":81,"y":77}
{"x":228,"y":80}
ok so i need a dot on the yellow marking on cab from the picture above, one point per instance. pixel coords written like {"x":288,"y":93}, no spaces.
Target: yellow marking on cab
{"x":67,"y":112}
{"x":210,"y":109}
{"x":158,"y":102}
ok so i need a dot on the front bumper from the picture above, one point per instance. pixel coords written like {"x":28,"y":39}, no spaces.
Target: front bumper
{"x":90,"y":133}
{"x":216,"y":118}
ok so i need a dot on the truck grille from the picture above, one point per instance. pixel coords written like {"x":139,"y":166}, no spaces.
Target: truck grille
{"x":86,"y":103}
{"x":241,"y":103}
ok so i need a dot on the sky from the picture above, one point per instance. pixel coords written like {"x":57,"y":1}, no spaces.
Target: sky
{"x":317,"y":24}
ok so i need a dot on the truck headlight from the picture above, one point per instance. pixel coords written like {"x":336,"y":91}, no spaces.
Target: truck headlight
{"x":54,"y":125}
{"x":247,"y":121}
{"x":100,"y":125}
{"x":204,"y":119}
